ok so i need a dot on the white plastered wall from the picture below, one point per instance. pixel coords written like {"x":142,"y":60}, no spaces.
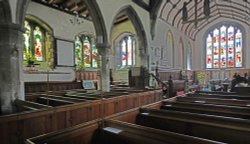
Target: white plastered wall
{"x":160,"y":41}
{"x":62,"y":29}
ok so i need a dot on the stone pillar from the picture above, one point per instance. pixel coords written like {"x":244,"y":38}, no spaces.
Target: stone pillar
{"x":11,"y":85}
{"x":104,"y":77}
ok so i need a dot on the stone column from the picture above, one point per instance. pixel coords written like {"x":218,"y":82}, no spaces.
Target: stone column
{"x":104,"y":77}
{"x":11,"y":85}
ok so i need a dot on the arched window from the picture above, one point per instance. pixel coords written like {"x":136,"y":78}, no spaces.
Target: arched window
{"x":125,"y":52}
{"x":37,"y":44}
{"x":170,"y":49}
{"x":180,"y":53}
{"x":224,"y":47}
{"x":85,"y":51}
{"x":189,"y":57}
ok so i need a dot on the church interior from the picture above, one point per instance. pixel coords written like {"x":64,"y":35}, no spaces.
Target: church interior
{"x":124,"y":71}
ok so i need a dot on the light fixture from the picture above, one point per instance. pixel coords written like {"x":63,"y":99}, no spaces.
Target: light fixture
{"x":206,"y":11}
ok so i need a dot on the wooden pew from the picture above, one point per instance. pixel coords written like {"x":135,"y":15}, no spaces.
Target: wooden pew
{"x":223,"y":129}
{"x":81,"y":97}
{"x":75,"y":100}
{"x":80,"y":134}
{"x":52,"y":101}
{"x":221,"y":110}
{"x":116,"y":132}
{"x":216,"y":92}
{"x":215,"y":101}
{"x":238,"y":97}
{"x":26,"y":105}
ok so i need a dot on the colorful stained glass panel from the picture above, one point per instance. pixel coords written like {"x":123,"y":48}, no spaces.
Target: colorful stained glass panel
{"x":87,"y":52}
{"x":209,"y":51}
{"x":216,"y":48}
{"x":27,"y":39}
{"x":78,"y":51}
{"x":223,"y":47}
{"x":124,"y":53}
{"x":238,"y":49}
{"x":230,"y":47}
{"x":94,"y":56}
{"x":129,"y":52}
{"x":38,"y":44}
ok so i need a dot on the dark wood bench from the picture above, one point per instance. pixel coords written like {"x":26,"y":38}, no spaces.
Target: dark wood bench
{"x":116,"y":132}
{"x":81,"y":97}
{"x":223,"y":129}
{"x":216,"y":92}
{"x":238,"y":97}
{"x":27,"y":106}
{"x":52,"y":101}
{"x":221,"y":110}
{"x":215,"y":101}
{"x":80,"y":134}
{"x":75,"y":100}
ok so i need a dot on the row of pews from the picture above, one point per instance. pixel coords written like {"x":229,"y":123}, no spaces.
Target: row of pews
{"x":54,"y":111}
{"x":198,"y":118}
{"x":40,"y":100}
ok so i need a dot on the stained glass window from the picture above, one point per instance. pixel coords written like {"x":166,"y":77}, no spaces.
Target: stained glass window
{"x":78,"y":51}
{"x":27,"y":40}
{"x":125,"y":52}
{"x":34,"y":42}
{"x":224,"y":47}
{"x":85,"y":51}
{"x":38,"y":43}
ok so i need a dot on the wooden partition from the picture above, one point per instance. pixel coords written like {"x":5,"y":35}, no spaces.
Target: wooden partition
{"x":80,"y":134}
{"x":86,"y":75}
{"x":14,"y":129}
{"x":84,"y":133}
{"x":32,"y":87}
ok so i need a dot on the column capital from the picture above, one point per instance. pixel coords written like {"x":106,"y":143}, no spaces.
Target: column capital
{"x":12,"y":26}
{"x":103,"y":45}
{"x":103,"y":48}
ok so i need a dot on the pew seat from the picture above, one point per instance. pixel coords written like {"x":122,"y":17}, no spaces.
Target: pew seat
{"x":212,"y":109}
{"x":218,"y":101}
{"x":218,"y":128}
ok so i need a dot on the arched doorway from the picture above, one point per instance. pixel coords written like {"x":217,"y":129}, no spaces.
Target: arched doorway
{"x":128,"y":44}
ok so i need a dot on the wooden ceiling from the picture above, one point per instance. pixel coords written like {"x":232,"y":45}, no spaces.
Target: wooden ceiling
{"x":75,"y":7}
{"x":171,"y":12}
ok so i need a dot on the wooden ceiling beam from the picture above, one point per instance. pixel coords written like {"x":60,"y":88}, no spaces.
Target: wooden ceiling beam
{"x":51,"y":1}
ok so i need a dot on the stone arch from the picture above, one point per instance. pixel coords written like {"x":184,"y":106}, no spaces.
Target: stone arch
{"x":5,"y":12}
{"x":141,"y":39}
{"x":170,"y":49}
{"x":21,"y":11}
{"x":41,"y":22}
{"x":99,"y":24}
